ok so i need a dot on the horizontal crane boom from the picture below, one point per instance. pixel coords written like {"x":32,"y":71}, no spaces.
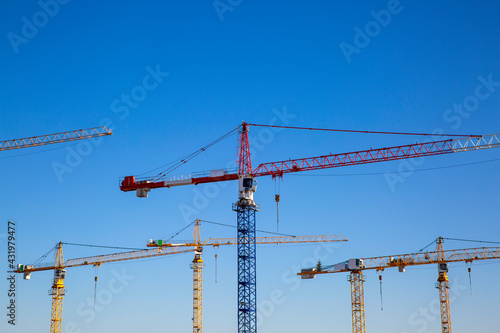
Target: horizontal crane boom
{"x":55,"y":138}
{"x":258,"y":240}
{"x":278,"y":169}
{"x":422,"y":258}
{"x":101,"y":259}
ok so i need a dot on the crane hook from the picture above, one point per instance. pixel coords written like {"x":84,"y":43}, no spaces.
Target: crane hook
{"x":96,"y":266}
{"x":470,"y":281}
{"x":381,"y":300}
{"x":277,"y":199}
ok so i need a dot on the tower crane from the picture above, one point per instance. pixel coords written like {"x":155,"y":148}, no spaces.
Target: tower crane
{"x":48,"y":139}
{"x":440,"y":257}
{"x":59,"y":267}
{"x":197,"y":264}
{"x":246,"y":207}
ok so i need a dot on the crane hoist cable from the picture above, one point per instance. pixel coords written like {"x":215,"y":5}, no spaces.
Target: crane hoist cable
{"x":470,"y":279}
{"x":96,"y":269}
{"x":381,"y":300}
{"x":215,"y":250}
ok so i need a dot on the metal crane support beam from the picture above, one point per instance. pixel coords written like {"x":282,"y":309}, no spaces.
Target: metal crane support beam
{"x":244,"y":158}
{"x":357,"y":302}
{"x":41,"y":140}
{"x":444,"y":301}
{"x":475,"y":143}
{"x":57,"y":292}
{"x":279,"y":239}
{"x":423,"y":258}
{"x":277,"y":169}
{"x":247,"y":286}
{"x":56,"y":310}
{"x":197,"y":293}
{"x":106,"y":259}
{"x":258,"y":240}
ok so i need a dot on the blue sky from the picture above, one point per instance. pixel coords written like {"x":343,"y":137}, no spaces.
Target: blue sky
{"x":411,"y":66}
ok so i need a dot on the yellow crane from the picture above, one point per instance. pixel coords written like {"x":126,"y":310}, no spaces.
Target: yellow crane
{"x":197,"y":264}
{"x":58,"y":290}
{"x":48,"y":139}
{"x":439,"y":257}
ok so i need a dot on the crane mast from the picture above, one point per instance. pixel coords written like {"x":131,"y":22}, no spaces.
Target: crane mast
{"x":245,"y":209}
{"x":57,"y":292}
{"x":197,"y":266}
{"x":443,"y":286}
{"x":357,"y":301}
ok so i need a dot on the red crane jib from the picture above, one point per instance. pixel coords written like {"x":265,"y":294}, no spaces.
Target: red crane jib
{"x":277,"y":169}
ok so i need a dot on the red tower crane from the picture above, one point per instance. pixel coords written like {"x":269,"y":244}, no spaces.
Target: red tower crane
{"x":246,"y":207}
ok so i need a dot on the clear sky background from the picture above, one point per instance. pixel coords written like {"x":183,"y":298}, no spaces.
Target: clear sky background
{"x":367,"y":65}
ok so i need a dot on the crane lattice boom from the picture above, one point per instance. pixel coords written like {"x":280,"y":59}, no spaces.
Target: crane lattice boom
{"x":55,"y":138}
{"x":101,"y":259}
{"x":423,"y":258}
{"x":258,"y":240}
{"x":278,"y":169}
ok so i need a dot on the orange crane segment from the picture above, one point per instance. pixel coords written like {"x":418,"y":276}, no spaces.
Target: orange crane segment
{"x":47,"y":139}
